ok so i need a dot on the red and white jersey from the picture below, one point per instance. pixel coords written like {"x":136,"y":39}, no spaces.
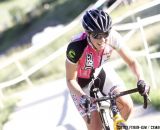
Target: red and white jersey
{"x":82,"y":52}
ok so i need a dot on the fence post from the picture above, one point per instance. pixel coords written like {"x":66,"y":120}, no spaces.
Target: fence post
{"x":147,"y":52}
{"x":22,"y":72}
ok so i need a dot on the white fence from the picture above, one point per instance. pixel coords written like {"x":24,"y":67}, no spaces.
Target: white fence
{"x":25,"y":74}
{"x":50,"y":58}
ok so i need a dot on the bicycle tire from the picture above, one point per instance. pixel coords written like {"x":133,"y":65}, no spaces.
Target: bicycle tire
{"x":104,"y":120}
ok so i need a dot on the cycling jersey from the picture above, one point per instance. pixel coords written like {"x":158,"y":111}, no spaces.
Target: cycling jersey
{"x":82,"y":52}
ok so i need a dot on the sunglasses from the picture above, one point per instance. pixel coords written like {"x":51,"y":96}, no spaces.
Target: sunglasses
{"x":100,"y":35}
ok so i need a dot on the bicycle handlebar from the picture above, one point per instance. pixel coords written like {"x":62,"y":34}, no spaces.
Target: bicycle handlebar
{"x":114,"y":96}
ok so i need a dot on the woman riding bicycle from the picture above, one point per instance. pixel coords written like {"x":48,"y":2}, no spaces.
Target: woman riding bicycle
{"x":86,"y":59}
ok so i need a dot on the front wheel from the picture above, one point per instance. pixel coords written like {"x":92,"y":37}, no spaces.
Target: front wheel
{"x":104,"y":119}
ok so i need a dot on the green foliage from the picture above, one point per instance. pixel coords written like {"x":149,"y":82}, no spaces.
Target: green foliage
{"x":18,"y":15}
{"x":2,"y":0}
{"x":154,"y":96}
{"x":28,"y":21}
{"x":52,"y":71}
{"x":9,"y":105}
{"x":155,"y":100}
{"x":8,"y":73}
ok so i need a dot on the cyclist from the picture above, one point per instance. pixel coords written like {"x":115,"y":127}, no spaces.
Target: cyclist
{"x":86,"y":59}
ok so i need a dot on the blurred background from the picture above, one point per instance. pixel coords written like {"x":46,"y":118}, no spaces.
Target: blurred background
{"x":34,"y":35}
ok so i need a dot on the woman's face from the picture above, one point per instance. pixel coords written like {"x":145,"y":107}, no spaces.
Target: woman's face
{"x":99,"y":40}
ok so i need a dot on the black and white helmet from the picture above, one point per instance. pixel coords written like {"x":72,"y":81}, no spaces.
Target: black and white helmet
{"x":97,"y":21}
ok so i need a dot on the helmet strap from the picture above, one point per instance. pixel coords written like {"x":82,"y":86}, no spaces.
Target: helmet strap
{"x":91,"y":42}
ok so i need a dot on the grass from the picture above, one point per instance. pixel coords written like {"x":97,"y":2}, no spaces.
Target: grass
{"x":9,"y":104}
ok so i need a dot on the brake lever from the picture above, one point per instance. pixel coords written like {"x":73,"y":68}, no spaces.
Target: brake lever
{"x":146,"y":99}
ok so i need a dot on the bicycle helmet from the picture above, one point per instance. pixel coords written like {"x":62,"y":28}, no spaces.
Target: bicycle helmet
{"x":97,"y":21}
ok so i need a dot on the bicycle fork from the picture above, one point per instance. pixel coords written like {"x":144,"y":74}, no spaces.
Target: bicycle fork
{"x":102,"y":112}
{"x":103,"y":117}
{"x":118,"y":121}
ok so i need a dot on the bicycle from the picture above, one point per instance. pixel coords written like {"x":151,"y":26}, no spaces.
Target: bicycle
{"x":118,"y":123}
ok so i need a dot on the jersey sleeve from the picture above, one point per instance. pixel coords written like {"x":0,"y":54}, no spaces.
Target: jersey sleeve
{"x":71,"y":53}
{"x":75,"y":50}
{"x":116,"y":40}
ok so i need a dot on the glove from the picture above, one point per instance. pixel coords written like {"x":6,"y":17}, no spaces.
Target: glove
{"x":143,"y":89}
{"x":85,"y":101}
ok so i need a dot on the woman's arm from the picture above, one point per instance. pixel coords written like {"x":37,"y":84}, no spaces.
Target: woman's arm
{"x":71,"y":76}
{"x":132,"y":62}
